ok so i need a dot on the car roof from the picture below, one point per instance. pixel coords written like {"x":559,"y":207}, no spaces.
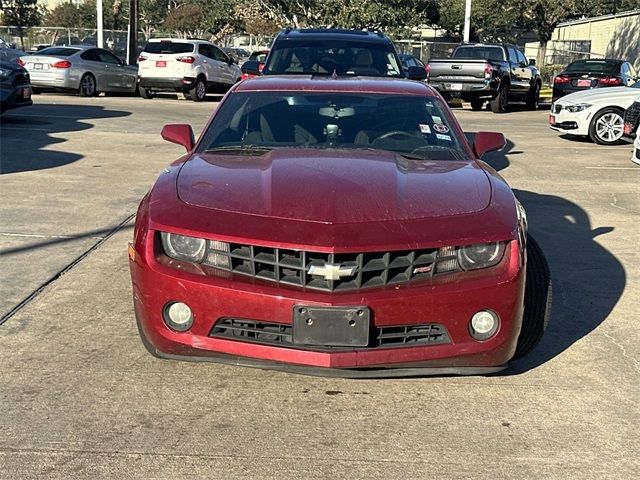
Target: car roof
{"x":178,"y":40}
{"x":334,"y":33}
{"x":597,"y":60}
{"x":328,"y":84}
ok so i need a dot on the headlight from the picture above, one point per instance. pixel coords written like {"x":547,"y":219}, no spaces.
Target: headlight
{"x":578,"y":107}
{"x":481,"y":255}
{"x":181,"y":247}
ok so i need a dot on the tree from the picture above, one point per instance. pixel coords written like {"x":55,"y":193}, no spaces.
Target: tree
{"x":185,"y":20}
{"x":152,"y":14}
{"x":21,"y":14}
{"x":64,"y":15}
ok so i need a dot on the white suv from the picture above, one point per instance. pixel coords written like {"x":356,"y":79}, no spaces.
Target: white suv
{"x":193,"y":67}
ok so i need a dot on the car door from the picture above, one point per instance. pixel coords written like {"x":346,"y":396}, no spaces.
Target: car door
{"x":118,"y":76}
{"x":225,"y":71}
{"x":527,"y":72}
{"x":208,"y":63}
{"x":93,"y":64}
{"x":517,"y":81}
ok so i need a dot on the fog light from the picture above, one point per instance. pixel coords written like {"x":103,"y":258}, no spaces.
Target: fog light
{"x":484,"y":324}
{"x":178,"y":316}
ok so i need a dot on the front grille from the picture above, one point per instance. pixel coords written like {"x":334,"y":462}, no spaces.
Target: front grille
{"x":254,"y":331}
{"x":291,"y":267}
{"x":632,"y":116}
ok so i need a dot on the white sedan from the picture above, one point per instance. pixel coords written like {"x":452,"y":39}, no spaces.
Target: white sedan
{"x":597,"y":114}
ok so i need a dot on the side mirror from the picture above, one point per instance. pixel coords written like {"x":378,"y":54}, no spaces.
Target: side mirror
{"x":251,"y":67}
{"x":181,"y":134}
{"x":231,"y":61}
{"x":488,"y":142}
{"x":416,"y":73}
{"x":532,"y":62}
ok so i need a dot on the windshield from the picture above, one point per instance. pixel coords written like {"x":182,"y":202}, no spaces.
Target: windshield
{"x":168,"y":47}
{"x":487,"y":53}
{"x":419,"y":127}
{"x":343,"y":57}
{"x":594,"y":66}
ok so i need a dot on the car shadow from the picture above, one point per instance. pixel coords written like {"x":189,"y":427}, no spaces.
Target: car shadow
{"x":27,"y":133}
{"x":587,"y":279}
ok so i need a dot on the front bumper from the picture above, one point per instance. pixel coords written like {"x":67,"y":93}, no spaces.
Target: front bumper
{"x":572,"y":123}
{"x":19,"y":96}
{"x":448,"y":301}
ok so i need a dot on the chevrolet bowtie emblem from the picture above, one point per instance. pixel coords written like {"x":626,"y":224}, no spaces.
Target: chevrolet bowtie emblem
{"x":332,"y":271}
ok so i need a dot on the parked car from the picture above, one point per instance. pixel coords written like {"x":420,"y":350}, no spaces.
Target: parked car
{"x":632,"y":119}
{"x":476,"y":73}
{"x":597,"y":114}
{"x":332,"y":51}
{"x":411,"y":61}
{"x":240,"y":55}
{"x":341,"y":227}
{"x":8,"y":53}
{"x":15,"y":89}
{"x":259,"y":56}
{"x":193,"y":67}
{"x":84,"y":69}
{"x":587,"y":74}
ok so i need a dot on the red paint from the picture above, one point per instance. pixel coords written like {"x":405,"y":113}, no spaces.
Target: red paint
{"x":331,"y":201}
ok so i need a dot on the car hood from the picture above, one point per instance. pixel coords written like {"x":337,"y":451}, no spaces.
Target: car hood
{"x":620,"y":96}
{"x":333,"y":186}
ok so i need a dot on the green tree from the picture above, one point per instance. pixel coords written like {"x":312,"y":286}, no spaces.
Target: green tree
{"x":64,"y":14}
{"x":152,"y":14}
{"x":21,"y":14}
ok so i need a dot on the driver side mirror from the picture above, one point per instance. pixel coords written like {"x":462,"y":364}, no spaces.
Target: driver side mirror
{"x":181,"y":134}
{"x":488,"y":142}
{"x":251,"y":67}
{"x":231,"y":61}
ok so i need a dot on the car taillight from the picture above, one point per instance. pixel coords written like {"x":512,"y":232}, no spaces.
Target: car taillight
{"x":627,"y":128}
{"x":62,"y":64}
{"x":141,"y":58}
{"x":260,"y":67}
{"x":186,"y":59}
{"x":427,"y":68}
{"x":488,"y":70}
{"x":561,"y":79}
{"x":610,"y":81}
{"x":21,"y":62}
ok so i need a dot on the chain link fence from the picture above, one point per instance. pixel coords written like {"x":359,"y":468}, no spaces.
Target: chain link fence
{"x":426,"y":50}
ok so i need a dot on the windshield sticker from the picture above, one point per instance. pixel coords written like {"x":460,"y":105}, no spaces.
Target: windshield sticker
{"x":440,"y":128}
{"x":424,"y":128}
{"x":443,"y":137}
{"x":436,"y":119}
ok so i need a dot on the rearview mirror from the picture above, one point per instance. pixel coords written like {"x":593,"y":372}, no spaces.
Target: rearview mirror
{"x":181,"y":134}
{"x":488,"y":142}
{"x":251,"y":67}
{"x":416,"y":73}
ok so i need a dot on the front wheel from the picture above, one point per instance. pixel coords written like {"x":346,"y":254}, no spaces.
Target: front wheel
{"x":533,"y":100}
{"x":537,"y":300}
{"x":88,"y":86}
{"x":500,"y":104}
{"x":607,"y":126}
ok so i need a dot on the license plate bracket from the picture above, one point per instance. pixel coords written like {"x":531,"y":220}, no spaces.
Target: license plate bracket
{"x":584,"y":83}
{"x":455,"y":86}
{"x":331,"y":326}
{"x":161,"y":63}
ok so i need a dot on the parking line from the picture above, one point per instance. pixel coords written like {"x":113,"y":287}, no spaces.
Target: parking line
{"x":613,"y":168}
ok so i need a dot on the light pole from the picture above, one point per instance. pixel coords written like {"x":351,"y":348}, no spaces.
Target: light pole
{"x":100,"y":20}
{"x":467,"y":20}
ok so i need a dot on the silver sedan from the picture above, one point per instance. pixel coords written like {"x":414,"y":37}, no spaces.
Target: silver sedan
{"x":86,"y":69}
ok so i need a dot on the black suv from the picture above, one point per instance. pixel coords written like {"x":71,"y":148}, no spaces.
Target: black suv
{"x":15,"y":86}
{"x":333,"y":51}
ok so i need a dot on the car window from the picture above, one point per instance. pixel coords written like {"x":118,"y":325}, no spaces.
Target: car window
{"x":632,"y":71}
{"x":521,"y":58}
{"x":90,"y":55}
{"x":594,"y":66}
{"x":414,"y":125}
{"x":485,"y":52}
{"x":345,"y":57}
{"x":513,"y":58}
{"x":168,"y":47}
{"x":107,"y":57}
{"x":204,"y":49}
{"x":218,"y":54}
{"x":624,"y":69}
{"x":58,"y":51}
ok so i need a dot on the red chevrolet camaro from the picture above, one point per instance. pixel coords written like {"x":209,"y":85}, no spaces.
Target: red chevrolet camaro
{"x":340,"y":227}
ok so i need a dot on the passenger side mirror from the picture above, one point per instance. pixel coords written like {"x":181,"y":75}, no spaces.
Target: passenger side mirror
{"x":251,"y":67}
{"x":532,"y":62}
{"x":181,"y":134}
{"x":488,"y":142}
{"x":416,"y":73}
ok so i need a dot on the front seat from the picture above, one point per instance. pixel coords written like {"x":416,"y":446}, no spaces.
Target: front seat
{"x":364,"y":62}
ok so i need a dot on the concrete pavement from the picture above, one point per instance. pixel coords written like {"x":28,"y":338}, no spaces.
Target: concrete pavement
{"x":81,"y":398}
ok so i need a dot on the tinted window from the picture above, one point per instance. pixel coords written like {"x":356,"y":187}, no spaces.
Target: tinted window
{"x":168,"y":47}
{"x":342,"y":56}
{"x":418,"y":126}
{"x":107,"y":57}
{"x":484,"y":52}
{"x":219,"y":54}
{"x":90,"y":55}
{"x":594,"y":66}
{"x":259,"y":56}
{"x":58,"y":51}
{"x":521,"y":58}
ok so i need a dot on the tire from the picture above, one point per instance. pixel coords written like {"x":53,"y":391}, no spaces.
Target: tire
{"x":199,"y":91}
{"x":476,"y":105}
{"x":533,"y":100}
{"x":537,"y":300}
{"x":500,"y":104}
{"x":607,"y":126}
{"x":88,"y":87}
{"x":145,"y":93}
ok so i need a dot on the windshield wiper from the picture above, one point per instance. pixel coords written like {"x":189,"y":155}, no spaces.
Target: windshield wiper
{"x":249,"y":149}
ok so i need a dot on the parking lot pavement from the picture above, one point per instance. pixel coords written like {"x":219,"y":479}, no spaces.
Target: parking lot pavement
{"x":81,"y":398}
